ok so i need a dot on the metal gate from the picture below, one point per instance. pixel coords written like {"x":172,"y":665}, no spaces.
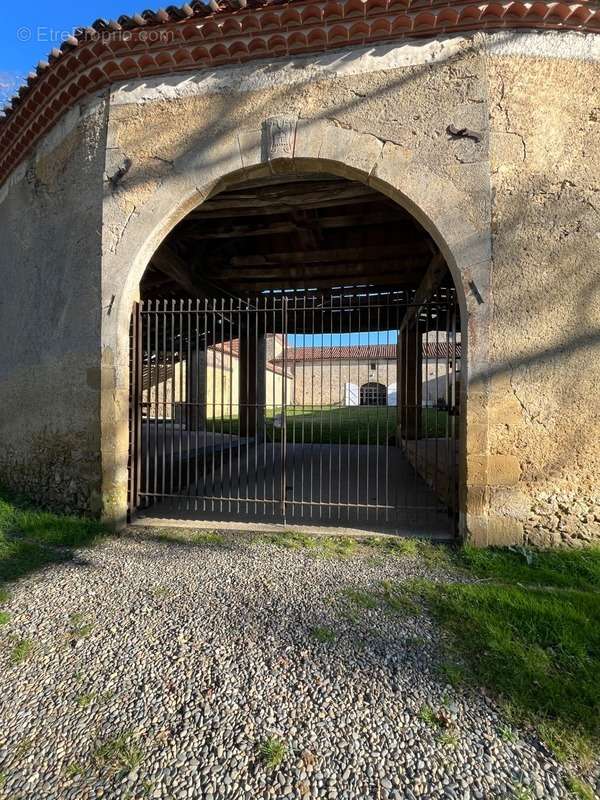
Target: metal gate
{"x":337,"y":409}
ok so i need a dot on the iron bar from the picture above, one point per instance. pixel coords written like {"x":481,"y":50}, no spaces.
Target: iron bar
{"x":199,"y":441}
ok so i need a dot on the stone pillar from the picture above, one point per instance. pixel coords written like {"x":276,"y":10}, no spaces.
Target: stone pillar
{"x":253,"y":380}
{"x":410,"y":383}
{"x":196,"y":391}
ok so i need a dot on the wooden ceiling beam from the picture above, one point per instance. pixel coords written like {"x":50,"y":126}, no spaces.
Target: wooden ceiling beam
{"x":270,"y":209}
{"x":430,"y":282}
{"x":308,"y":281}
{"x":295,"y":194}
{"x":196,"y":232}
{"x":409,"y":265}
{"x":166,"y":261}
{"x":342,"y":255}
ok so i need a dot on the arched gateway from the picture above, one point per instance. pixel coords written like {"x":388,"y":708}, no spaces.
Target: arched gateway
{"x":129,"y":167}
{"x":245,"y":342}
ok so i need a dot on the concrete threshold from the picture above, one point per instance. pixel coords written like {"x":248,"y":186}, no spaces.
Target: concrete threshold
{"x":234,"y":526}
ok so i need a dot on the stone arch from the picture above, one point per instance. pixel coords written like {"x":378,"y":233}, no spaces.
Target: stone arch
{"x":447,"y":213}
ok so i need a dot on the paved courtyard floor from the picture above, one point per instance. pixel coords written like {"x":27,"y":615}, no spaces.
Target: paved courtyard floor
{"x":168,"y":669}
{"x":370,"y":487}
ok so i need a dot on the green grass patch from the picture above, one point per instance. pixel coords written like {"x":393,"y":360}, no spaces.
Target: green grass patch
{"x":434,"y":554}
{"x":570,"y":569}
{"x":190,"y":538}
{"x":85,"y":700}
{"x":438,"y":555}
{"x":319,"y":546}
{"x":74,"y":770}
{"x":362,"y":599}
{"x":21,"y":651}
{"x":4,"y":617}
{"x":437,"y":718}
{"x":452,"y":673}
{"x":211,"y":538}
{"x":580,"y":789}
{"x":537,"y":648}
{"x":118,"y":754}
{"x":162,"y":592}
{"x":289,"y":540}
{"x":272,"y":752}
{"x":31,"y":539}
{"x":323,"y":634}
{"x":334,"y":425}
{"x":388,"y":596}
{"x":80,"y":626}
{"x":24,"y":747}
{"x":521,"y":792}
{"x":393,"y":545}
{"x":396,"y":600}
{"x":428,"y":716}
{"x":507,"y":734}
{"x":449,"y":739}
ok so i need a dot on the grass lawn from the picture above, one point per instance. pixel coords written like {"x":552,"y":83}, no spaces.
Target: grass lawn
{"x":332,"y":425}
{"x":528,"y":629}
{"x":30,"y":538}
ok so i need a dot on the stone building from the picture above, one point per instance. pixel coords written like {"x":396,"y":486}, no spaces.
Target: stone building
{"x":167,"y":380}
{"x":354,"y":375}
{"x":460,"y":143}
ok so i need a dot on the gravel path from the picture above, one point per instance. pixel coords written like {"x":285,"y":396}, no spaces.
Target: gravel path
{"x":158,"y":669}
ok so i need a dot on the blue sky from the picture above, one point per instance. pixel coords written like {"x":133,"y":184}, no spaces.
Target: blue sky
{"x":344,"y":339}
{"x":30,"y":30}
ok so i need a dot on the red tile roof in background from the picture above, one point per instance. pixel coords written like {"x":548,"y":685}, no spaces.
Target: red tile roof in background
{"x":364,"y":352}
{"x":196,"y":36}
{"x":232,"y":349}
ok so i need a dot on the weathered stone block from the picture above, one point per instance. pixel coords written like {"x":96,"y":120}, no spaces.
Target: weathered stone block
{"x":503,"y":470}
{"x":504,"y":531}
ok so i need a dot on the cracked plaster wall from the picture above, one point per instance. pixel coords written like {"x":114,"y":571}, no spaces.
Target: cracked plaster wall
{"x":50,"y":249}
{"x":545,"y":338}
{"x":531,"y":471}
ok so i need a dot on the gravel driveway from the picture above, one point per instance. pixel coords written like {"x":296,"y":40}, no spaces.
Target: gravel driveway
{"x":159,"y":669}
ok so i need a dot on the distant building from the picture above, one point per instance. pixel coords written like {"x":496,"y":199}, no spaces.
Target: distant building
{"x":364,"y":374}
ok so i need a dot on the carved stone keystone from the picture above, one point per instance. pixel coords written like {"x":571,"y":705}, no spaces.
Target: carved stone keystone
{"x":278,"y":137}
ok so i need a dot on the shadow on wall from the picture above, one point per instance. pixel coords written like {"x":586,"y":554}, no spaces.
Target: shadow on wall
{"x":515,"y":357}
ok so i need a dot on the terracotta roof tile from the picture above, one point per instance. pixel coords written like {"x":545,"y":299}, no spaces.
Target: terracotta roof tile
{"x":197,"y":35}
{"x":232,"y":348}
{"x":364,"y":352}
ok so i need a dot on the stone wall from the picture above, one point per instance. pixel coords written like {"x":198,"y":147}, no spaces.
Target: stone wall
{"x":378,"y":115}
{"x":324,"y":383}
{"x":50,"y":311}
{"x":544,"y":431}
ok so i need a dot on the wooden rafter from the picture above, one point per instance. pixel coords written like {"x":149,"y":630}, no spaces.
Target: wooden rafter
{"x":310,"y":233}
